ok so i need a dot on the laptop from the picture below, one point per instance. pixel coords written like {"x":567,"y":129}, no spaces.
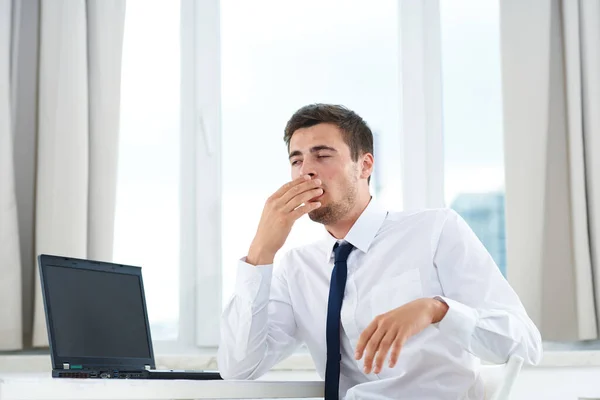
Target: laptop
{"x":98,"y":323}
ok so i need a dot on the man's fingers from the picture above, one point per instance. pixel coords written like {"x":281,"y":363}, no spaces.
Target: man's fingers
{"x":285,"y":188}
{"x":299,"y":189}
{"x":371,"y":349}
{"x":302,"y":198}
{"x":384,"y":347}
{"x":396,"y":348}
{"x":305,"y":209}
{"x":364,"y":339}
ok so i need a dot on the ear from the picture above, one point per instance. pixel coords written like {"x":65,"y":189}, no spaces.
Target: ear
{"x":367,"y":165}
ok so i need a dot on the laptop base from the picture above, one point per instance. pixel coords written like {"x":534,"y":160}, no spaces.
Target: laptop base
{"x":169,"y":374}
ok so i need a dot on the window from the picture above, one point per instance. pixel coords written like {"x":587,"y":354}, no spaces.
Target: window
{"x":148,"y":202}
{"x":277,"y":57}
{"x":212,"y":90}
{"x":472,"y":118}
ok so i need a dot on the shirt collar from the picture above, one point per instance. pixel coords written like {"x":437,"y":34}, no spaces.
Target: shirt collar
{"x":363,"y":231}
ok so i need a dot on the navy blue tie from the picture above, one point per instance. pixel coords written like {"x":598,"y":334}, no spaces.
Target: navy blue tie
{"x":334,"y":309}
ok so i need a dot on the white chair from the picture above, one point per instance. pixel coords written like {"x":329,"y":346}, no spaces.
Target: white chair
{"x":498,"y":380}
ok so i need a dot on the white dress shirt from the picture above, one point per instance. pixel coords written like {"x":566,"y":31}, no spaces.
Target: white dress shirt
{"x":399,"y":257}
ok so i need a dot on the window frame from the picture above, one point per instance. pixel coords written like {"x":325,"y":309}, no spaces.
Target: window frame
{"x":421,"y":104}
{"x":200,"y":277}
{"x":185,"y":342}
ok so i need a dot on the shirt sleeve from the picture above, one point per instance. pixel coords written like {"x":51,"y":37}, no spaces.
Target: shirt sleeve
{"x":485,"y":315}
{"x":258,"y":328}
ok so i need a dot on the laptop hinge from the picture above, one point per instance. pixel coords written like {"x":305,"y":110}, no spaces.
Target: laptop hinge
{"x":66,"y":366}
{"x":147,"y":367}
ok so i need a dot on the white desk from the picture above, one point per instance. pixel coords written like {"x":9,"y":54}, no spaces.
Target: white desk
{"x":43,"y":387}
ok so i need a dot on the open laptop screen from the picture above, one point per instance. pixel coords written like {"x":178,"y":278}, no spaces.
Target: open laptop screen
{"x":96,"y":313}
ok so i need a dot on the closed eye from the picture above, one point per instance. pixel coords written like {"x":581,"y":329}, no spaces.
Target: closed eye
{"x":295,"y":162}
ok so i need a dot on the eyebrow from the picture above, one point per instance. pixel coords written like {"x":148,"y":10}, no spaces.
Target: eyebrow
{"x":312,"y":150}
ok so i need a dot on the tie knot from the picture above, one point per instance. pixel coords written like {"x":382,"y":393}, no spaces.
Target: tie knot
{"x":342,"y":251}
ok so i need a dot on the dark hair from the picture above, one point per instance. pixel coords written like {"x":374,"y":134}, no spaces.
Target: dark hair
{"x":355,"y":131}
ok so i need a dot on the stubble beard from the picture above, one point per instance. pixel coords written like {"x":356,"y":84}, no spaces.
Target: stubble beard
{"x":332,"y":213}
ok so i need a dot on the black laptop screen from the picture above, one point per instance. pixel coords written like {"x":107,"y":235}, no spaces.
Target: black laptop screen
{"x":96,"y":314}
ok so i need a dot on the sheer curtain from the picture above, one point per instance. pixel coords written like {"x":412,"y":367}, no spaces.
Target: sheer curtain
{"x":64,"y":179}
{"x":551,"y":85}
{"x":10,"y":284}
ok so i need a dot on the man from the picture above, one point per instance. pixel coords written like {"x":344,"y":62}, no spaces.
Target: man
{"x":391,"y":305}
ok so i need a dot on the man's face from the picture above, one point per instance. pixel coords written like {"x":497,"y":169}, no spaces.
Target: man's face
{"x":320,"y":151}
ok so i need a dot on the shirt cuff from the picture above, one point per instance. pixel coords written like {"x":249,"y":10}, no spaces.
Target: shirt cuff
{"x":459,"y":322}
{"x":253,"y":282}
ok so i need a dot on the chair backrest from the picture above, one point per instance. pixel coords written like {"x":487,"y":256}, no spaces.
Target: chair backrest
{"x":498,"y":380}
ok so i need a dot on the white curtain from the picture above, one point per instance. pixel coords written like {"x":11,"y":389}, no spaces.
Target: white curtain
{"x":551,"y":90}
{"x":75,"y":145}
{"x":11,"y":336}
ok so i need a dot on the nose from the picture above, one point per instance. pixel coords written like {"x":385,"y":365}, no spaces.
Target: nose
{"x":308,"y":168}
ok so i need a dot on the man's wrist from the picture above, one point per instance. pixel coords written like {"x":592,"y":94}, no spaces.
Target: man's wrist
{"x":257,"y":257}
{"x":439,"y":310}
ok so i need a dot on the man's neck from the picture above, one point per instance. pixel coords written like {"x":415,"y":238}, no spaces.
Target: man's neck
{"x":340,"y":229}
